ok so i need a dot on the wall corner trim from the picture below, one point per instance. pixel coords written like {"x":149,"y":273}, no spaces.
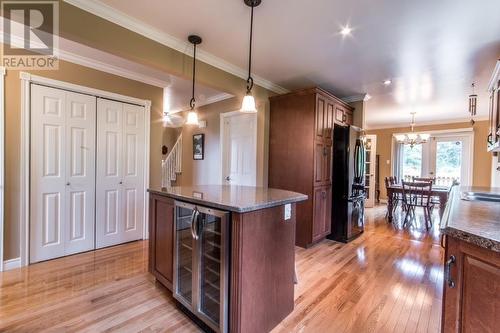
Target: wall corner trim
{"x":2,"y":164}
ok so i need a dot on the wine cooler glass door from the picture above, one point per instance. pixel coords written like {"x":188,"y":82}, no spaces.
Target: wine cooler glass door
{"x":212,"y":288}
{"x":184,"y":254}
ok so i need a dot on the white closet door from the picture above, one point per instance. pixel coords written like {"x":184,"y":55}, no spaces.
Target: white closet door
{"x":109,"y":172}
{"x":80,"y":172}
{"x":133,"y":172}
{"x":120,"y":173}
{"x":48,"y":179}
{"x":62,"y":173}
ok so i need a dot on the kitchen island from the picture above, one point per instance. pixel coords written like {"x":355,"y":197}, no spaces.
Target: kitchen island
{"x":227,"y":253}
{"x":471,"y":291}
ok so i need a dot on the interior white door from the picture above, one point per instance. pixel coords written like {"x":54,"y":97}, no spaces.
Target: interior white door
{"x":239,"y":149}
{"x":80,"y":173}
{"x":133,"y":172}
{"x":62,"y":173}
{"x":120,"y":173}
{"x":371,"y":153}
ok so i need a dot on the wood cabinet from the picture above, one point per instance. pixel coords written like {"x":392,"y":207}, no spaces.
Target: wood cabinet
{"x":300,"y":155}
{"x":494,"y":111}
{"x":471,"y":290}
{"x":161,"y":238}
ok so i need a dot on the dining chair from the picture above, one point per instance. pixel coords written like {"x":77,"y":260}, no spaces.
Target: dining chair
{"x":397,"y":198}
{"x":417,"y":194}
{"x":434,"y":200}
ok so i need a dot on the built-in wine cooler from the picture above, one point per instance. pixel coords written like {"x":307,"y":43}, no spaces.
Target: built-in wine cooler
{"x":201,"y":263}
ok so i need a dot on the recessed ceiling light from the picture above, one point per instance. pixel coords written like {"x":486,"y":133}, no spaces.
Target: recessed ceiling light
{"x":387,"y":82}
{"x":346,"y":30}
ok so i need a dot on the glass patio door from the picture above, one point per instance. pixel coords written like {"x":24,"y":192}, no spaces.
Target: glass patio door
{"x":450,"y":160}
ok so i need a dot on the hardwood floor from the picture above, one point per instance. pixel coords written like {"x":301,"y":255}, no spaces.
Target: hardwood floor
{"x":387,"y":280}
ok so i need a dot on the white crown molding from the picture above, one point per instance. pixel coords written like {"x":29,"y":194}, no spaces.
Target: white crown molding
{"x":11,"y":264}
{"x":426,"y":123}
{"x":109,"y":13}
{"x":354,"y":98}
{"x":217,"y":98}
{"x":111,"y":69}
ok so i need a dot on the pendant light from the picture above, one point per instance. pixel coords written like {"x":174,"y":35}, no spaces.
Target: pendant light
{"x":412,"y":138}
{"x":248,"y":105}
{"x":192,"y":118}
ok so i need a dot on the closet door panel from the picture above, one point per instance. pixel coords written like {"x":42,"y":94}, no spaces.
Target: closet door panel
{"x":109,"y":173}
{"x":47,"y":173}
{"x":80,"y":172}
{"x":133,"y":175}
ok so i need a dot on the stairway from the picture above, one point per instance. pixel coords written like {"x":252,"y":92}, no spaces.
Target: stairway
{"x":171,"y":166}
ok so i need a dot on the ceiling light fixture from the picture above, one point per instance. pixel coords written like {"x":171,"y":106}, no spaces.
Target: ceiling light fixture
{"x":192,"y":118}
{"x":387,"y":82}
{"x":248,"y":105}
{"x":346,"y":30}
{"x":412,"y":138}
{"x":472,"y":104}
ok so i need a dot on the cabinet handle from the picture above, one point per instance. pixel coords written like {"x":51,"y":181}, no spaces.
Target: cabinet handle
{"x":194,"y":217}
{"x":325,"y":151}
{"x":490,"y":138}
{"x":323,"y":194}
{"x":447,"y":271}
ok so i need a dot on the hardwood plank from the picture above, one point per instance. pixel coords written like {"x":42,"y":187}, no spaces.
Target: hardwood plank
{"x":388,"y":280}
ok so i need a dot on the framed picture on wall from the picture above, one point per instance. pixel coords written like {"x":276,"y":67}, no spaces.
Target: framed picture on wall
{"x":198,"y":146}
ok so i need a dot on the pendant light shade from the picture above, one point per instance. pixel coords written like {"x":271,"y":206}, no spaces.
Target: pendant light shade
{"x":192,"y":118}
{"x":248,"y":105}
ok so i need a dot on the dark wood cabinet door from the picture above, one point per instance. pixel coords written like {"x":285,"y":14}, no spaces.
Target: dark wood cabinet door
{"x":162,"y":239}
{"x":329,"y":120}
{"x":322,"y":163}
{"x":348,"y":118}
{"x":320,"y":117}
{"x":322,"y":212}
{"x":471,"y":302}
{"x":339,"y":115}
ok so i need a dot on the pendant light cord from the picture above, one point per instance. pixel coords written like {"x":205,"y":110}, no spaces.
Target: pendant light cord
{"x":192,"y":101}
{"x":250,"y":79}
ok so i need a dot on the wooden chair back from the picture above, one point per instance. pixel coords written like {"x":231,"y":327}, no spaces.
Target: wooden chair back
{"x":417,"y":194}
{"x":424,"y":179}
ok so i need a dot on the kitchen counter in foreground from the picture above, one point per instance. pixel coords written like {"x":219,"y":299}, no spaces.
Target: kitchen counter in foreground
{"x":234,"y":198}
{"x":471,"y":227}
{"x":476,"y":221}
{"x":227,"y":253}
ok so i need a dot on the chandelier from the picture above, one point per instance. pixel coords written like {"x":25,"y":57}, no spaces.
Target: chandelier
{"x":412,"y":138}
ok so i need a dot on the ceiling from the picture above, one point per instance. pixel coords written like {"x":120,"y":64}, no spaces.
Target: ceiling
{"x":431,"y":50}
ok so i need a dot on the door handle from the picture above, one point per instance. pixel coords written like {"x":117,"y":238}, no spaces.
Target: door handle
{"x":121,"y":182}
{"x":447,"y":271}
{"x":68,"y":184}
{"x":194,"y":216}
{"x":228,"y":178}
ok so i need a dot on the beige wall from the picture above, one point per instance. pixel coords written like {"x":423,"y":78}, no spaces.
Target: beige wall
{"x":86,"y":77}
{"x":208,"y":171}
{"x":481,"y":163}
{"x":93,"y":31}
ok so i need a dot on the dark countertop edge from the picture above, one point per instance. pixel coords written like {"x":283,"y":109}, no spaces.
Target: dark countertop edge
{"x":212,"y":204}
{"x":483,"y":242}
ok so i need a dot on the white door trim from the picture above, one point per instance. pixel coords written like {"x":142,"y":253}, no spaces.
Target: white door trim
{"x":2,"y":162}
{"x":26,"y":80}
{"x":223,"y":116}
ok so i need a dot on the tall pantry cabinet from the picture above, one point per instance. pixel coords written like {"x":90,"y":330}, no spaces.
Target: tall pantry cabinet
{"x":300,"y":155}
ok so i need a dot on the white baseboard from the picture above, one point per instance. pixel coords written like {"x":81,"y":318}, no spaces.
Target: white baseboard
{"x":11,"y":264}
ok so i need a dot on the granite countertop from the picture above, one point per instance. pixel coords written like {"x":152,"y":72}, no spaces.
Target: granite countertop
{"x":476,"y":222}
{"x":233,"y":198}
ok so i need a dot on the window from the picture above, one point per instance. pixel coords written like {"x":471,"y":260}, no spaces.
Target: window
{"x":411,"y":162}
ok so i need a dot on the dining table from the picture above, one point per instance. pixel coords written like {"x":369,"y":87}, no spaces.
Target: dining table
{"x":440,"y":191}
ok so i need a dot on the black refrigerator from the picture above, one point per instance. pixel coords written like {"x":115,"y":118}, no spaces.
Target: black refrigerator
{"x":348,"y":183}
